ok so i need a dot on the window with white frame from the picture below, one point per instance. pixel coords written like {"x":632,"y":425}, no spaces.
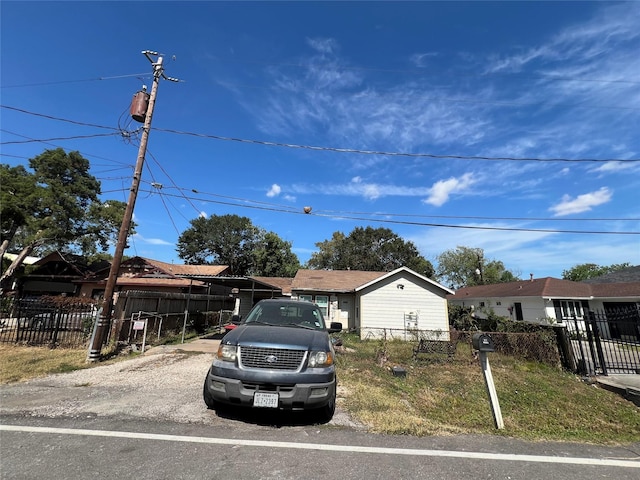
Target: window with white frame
{"x":322,"y":301}
{"x":571,"y":309}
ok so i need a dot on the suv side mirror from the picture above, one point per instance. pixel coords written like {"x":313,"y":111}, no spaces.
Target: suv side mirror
{"x":335,"y":327}
{"x":236,"y":319}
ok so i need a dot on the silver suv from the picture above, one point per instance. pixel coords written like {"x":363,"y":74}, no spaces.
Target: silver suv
{"x":279,"y":357}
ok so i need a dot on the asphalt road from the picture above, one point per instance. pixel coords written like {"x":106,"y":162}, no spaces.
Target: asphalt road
{"x":145,"y":419}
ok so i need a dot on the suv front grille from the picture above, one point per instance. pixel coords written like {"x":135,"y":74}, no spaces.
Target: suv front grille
{"x":271,"y":358}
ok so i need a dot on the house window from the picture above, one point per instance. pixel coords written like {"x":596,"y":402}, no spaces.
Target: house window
{"x":323,"y":304}
{"x":322,"y":301}
{"x":571,"y":309}
{"x":482,"y":304}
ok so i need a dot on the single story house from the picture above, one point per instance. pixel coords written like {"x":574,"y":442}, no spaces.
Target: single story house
{"x":57,"y":273}
{"x":139,"y":273}
{"x":547,"y":300}
{"x":375,"y":302}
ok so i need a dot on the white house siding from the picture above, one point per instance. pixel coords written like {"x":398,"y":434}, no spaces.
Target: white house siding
{"x":383,"y":306}
{"x":534,"y":309}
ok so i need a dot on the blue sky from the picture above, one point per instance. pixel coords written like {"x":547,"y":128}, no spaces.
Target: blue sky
{"x":429,"y":99}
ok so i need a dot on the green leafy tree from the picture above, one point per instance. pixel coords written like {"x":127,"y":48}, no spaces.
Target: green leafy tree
{"x":61,"y":208}
{"x":584,"y":271}
{"x":371,"y":249}
{"x":221,"y":240}
{"x":273,"y":257}
{"x":19,"y":196}
{"x":466,"y":266}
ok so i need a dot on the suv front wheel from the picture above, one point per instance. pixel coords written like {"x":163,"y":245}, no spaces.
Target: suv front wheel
{"x":325,"y":414}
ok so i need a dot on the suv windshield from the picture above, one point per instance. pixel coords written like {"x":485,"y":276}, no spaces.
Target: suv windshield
{"x":287,"y":314}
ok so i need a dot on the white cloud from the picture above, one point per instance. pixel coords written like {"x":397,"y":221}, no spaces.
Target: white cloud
{"x":323,"y":45}
{"x":151,"y":241}
{"x":419,"y":59}
{"x":203,"y":214}
{"x":611,"y":167}
{"x":582,"y":203}
{"x":440,"y":192}
{"x":274,"y":191}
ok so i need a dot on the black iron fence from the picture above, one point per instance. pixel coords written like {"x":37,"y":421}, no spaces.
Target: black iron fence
{"x":50,"y":321}
{"x":606,"y":342}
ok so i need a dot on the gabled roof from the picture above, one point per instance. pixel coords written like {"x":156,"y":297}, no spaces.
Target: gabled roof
{"x":549,"y":287}
{"x":410,"y":272}
{"x":61,"y":265}
{"x":339,"y":281}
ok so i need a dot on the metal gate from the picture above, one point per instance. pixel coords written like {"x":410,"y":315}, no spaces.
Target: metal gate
{"x":607,"y":343}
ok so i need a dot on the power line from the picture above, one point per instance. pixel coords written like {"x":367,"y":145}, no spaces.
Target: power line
{"x":421,"y":224}
{"x":74,"y":81}
{"x":396,"y":154}
{"x":58,"y":146}
{"x":345,"y":150}
{"x":50,"y":117}
{"x":339,"y":214}
{"x":44,"y":140}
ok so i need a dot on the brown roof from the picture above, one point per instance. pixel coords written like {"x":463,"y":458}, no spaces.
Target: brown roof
{"x":547,"y":287}
{"x":182,"y":270}
{"x":282,"y":283}
{"x":333,"y":280}
{"x":631,"y":289}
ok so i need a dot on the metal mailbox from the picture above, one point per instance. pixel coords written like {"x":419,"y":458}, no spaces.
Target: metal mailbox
{"x":483,"y":342}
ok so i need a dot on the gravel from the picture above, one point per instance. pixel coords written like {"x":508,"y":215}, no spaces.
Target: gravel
{"x":164,"y":386}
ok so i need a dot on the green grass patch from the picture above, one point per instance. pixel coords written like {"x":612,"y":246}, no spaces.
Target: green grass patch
{"x":438,"y":396}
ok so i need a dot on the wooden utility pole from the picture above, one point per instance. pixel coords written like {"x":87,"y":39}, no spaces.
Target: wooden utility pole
{"x":103,"y":322}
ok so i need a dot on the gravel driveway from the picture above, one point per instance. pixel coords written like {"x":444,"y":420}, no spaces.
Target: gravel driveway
{"x":165,"y":385}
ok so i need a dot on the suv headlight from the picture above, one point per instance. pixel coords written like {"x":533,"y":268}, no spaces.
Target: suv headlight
{"x":320,"y":359}
{"x":227,"y":352}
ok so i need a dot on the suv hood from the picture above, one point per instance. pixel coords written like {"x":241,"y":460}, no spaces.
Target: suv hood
{"x":278,"y":337}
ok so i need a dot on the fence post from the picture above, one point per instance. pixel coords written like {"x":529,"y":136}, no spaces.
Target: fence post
{"x":596,"y":333}
{"x":565,"y":348}
{"x":586,"y":370}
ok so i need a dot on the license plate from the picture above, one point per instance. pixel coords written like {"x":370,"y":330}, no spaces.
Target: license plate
{"x":265,"y":400}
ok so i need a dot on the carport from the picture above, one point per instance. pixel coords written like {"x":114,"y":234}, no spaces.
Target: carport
{"x":246,"y":290}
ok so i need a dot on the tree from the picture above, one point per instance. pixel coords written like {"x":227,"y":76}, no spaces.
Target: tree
{"x":18,"y":200}
{"x":370,"y":249}
{"x":56,"y":207}
{"x":584,"y":271}
{"x":223,"y":240}
{"x":467,"y":266}
{"x":274,"y":258}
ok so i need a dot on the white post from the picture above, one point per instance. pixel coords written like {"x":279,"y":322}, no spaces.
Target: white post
{"x":144,"y":335}
{"x":491,"y":390}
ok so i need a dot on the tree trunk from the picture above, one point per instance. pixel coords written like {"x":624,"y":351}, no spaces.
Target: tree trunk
{"x":5,"y":243}
{"x":7,"y":276}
